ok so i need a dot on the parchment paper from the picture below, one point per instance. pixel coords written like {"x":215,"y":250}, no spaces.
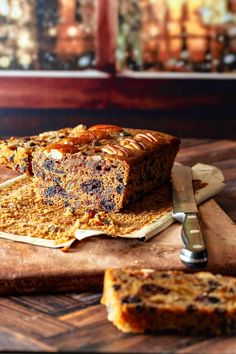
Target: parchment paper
{"x":209,"y":175}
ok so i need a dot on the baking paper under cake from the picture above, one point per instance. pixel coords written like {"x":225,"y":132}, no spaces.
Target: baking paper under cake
{"x":23,"y":214}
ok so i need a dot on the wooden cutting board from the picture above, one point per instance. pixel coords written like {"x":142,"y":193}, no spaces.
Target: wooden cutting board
{"x":26,"y":268}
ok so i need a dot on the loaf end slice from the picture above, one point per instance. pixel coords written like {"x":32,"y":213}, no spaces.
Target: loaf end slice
{"x":16,"y":152}
{"x":145,"y":300}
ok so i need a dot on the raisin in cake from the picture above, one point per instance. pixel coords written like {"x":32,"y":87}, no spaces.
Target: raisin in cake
{"x":139,"y":300}
{"x":16,"y":153}
{"x":104,"y":167}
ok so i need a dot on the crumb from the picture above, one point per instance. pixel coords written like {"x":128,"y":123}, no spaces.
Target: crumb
{"x":24,"y":213}
{"x":65,"y":249}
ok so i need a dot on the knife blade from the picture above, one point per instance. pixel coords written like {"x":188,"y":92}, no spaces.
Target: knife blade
{"x":194,"y":252}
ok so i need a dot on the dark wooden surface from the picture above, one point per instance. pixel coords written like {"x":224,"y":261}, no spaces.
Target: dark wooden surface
{"x":77,"y":322}
{"x":43,"y":270}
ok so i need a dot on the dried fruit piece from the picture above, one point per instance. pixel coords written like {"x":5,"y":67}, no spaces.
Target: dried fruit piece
{"x":191,"y":308}
{"x":131,"y":300}
{"x":120,"y":188}
{"x":107,"y":204}
{"x":207,"y":299}
{"x":154,"y":289}
{"x":51,"y":191}
{"x":49,"y":165}
{"x":93,"y":186}
{"x":116,"y":287}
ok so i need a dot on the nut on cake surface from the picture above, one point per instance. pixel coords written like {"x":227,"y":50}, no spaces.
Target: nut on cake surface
{"x":16,"y":153}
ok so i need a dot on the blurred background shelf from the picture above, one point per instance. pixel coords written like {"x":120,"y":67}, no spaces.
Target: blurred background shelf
{"x":166,"y":64}
{"x":139,"y":35}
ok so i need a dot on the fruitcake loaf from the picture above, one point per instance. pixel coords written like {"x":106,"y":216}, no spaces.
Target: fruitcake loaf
{"x":140,"y":300}
{"x":104,"y":168}
{"x":16,"y":153}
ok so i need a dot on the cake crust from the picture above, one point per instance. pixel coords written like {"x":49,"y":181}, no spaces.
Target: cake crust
{"x":16,"y":153}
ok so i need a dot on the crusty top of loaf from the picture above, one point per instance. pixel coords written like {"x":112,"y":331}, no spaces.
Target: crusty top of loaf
{"x":111,"y":140}
{"x":41,"y":140}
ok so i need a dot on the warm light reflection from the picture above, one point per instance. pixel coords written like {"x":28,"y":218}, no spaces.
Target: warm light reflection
{"x":45,"y":34}
{"x":72,"y":31}
{"x":4,"y":8}
{"x":177,"y":35}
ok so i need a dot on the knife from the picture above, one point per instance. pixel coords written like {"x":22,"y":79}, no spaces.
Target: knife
{"x":194,"y":252}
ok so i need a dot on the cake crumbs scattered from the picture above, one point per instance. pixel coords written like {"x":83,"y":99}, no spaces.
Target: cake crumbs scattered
{"x":65,"y":249}
{"x":24,"y":213}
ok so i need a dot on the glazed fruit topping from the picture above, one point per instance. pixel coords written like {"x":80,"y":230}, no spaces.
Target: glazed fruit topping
{"x":152,"y":137}
{"x":106,"y":128}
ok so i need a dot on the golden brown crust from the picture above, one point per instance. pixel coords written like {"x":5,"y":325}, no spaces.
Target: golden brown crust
{"x":114,"y":140}
{"x":16,"y":153}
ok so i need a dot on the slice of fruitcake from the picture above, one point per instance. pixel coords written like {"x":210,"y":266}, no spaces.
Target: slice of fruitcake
{"x":139,"y":300}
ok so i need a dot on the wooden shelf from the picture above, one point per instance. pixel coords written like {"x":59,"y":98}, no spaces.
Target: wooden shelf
{"x":98,"y":90}
{"x":106,"y":88}
{"x":54,"y":91}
